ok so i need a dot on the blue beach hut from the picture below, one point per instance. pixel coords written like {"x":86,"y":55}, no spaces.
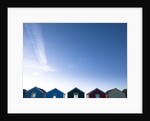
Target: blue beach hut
{"x":55,"y":93}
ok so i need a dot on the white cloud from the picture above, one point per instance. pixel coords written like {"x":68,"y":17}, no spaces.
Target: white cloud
{"x":43,"y":68}
{"x":36,"y":37}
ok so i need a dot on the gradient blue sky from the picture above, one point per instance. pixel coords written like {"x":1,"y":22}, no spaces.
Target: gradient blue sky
{"x":68,"y":55}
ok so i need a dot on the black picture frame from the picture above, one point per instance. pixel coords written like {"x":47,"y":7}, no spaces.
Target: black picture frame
{"x":4,"y":4}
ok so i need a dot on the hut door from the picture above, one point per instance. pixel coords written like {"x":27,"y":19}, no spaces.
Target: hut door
{"x":97,"y":95}
{"x":33,"y":95}
{"x":75,"y":95}
{"x":54,"y":95}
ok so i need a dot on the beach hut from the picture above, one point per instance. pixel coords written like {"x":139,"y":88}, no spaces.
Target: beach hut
{"x":35,"y":92}
{"x":24,"y":92}
{"x":75,"y":93}
{"x":96,"y":93}
{"x":115,"y":93}
{"x":125,"y":91}
{"x":55,"y":93}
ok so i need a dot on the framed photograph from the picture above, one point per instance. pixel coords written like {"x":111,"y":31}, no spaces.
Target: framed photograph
{"x":58,"y":54}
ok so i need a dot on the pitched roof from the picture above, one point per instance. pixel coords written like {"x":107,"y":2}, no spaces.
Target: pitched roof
{"x":124,"y":90}
{"x":94,"y":90}
{"x":112,"y":89}
{"x":74,"y":89}
{"x":56,"y":89}
{"x":43,"y":91}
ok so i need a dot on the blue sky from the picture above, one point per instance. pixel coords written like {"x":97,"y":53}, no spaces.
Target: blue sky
{"x":68,"y":55}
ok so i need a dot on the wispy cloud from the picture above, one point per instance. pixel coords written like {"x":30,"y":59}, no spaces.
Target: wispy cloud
{"x":35,"y":34}
{"x":43,"y":68}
